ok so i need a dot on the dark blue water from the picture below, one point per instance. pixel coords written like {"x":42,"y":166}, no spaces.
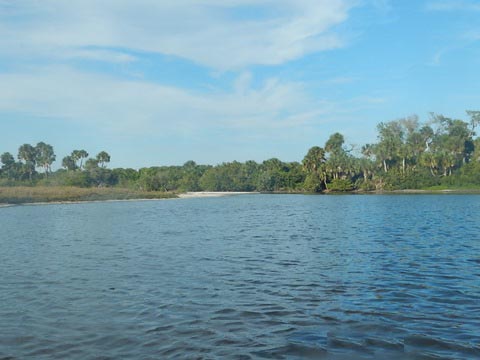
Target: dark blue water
{"x":244,"y":277}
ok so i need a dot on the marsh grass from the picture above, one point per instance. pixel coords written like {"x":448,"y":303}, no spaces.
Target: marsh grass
{"x":36,"y":194}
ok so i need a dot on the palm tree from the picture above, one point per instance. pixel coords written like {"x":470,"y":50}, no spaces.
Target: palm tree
{"x":45,"y":156}
{"x":79,"y":155}
{"x":28,"y":154}
{"x":103,"y":157}
{"x":314,"y":164}
{"x":68,"y":163}
{"x":314,"y":159}
{"x":82,"y":155}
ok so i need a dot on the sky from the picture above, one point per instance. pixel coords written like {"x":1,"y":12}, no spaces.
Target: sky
{"x":157,"y":82}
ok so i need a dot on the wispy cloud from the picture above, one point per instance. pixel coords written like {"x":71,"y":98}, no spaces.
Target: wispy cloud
{"x":120,"y":106}
{"x":207,"y":32}
{"x":436,"y":59}
{"x":101,"y":55}
{"x":453,"y":5}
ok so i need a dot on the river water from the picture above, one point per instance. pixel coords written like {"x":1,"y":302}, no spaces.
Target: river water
{"x":243,"y":277}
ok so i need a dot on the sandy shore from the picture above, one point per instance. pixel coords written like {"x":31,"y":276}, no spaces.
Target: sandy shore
{"x":204,"y":194}
{"x":187,"y":195}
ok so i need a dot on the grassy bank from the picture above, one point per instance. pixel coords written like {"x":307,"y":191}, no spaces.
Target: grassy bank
{"x":24,"y":194}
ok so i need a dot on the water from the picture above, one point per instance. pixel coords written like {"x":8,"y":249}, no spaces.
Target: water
{"x":244,"y":277}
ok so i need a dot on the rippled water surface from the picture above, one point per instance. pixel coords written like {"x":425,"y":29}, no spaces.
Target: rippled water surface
{"x":243,"y":277}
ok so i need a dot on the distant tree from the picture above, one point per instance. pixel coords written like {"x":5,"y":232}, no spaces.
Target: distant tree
{"x":452,"y":142}
{"x":69,"y":163}
{"x":45,"y":156}
{"x":103,"y":158}
{"x":314,"y":165}
{"x":9,"y":167}
{"x":474,"y":120}
{"x":190,"y":164}
{"x":315,"y":158}
{"x":103,"y":177}
{"x":273,"y":175}
{"x":79,"y":155}
{"x":28,"y":154}
{"x":7,"y":159}
{"x":91,"y":164}
{"x":83,"y":155}
{"x":126,"y":177}
{"x":335,"y":143}
{"x":389,"y":149}
{"x":190,"y":176}
{"x":249,"y":174}
{"x":339,"y":162}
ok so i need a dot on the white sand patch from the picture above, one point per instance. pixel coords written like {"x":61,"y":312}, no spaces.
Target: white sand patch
{"x":203,"y":194}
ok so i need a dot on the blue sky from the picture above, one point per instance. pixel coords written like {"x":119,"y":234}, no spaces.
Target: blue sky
{"x":162,"y":82}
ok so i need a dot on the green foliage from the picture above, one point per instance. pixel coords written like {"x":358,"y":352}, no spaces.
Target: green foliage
{"x":408,"y":155}
{"x":90,"y":164}
{"x":103,"y":158}
{"x":365,"y":184}
{"x":78,"y":155}
{"x":126,"y":177}
{"x":28,"y":155}
{"x":341,"y":185}
{"x":33,"y":194}
{"x":397,"y":180}
{"x":68,"y":163}
{"x":312,"y":183}
{"x":45,"y":156}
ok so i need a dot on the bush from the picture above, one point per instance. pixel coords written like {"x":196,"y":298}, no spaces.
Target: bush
{"x":340,"y":185}
{"x":365,"y":184}
{"x":312,"y":183}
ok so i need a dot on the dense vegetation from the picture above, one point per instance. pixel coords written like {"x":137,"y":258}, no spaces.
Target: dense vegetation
{"x":443,"y":153}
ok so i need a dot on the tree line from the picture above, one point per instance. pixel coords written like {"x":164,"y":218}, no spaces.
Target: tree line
{"x":408,"y":154}
{"x":30,"y":159}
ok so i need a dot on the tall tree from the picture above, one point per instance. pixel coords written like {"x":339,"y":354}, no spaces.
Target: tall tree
{"x":314,"y":164}
{"x":45,"y":156}
{"x":79,"y":155}
{"x":7,"y":159}
{"x":389,"y":148}
{"x":9,"y":167}
{"x":69,"y":163}
{"x":28,"y":154}
{"x":474,"y":120}
{"x":103,"y":158}
{"x":453,"y":141}
{"x":335,"y":143}
{"x":339,"y":162}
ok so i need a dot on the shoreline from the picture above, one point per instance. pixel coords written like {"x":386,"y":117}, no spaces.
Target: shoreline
{"x":216,"y":194}
{"x":187,"y":195}
{"x":426,"y":191}
{"x":208,"y":194}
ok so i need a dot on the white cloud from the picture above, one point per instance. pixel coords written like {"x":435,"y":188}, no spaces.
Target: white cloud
{"x":451,"y":5}
{"x":137,"y":107}
{"x":99,"y":55}
{"x":218,"y":34}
